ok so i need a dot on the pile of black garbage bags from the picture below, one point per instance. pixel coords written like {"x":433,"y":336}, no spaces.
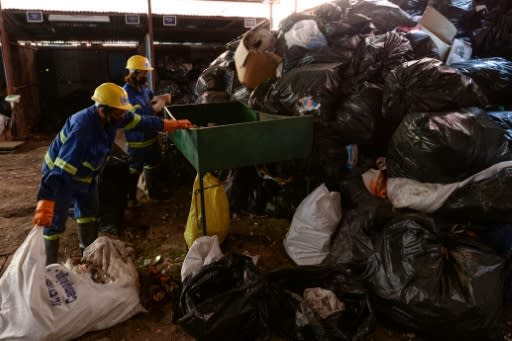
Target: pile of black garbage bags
{"x":378,"y":84}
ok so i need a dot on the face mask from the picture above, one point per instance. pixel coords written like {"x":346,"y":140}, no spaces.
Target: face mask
{"x":113,"y":121}
{"x":142,"y":80}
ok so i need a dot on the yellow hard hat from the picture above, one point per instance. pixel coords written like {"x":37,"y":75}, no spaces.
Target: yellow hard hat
{"x":138,"y":62}
{"x":112,"y":95}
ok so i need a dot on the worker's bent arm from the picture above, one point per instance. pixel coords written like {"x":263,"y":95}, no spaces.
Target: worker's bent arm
{"x":64,"y":164}
{"x":137,"y":122}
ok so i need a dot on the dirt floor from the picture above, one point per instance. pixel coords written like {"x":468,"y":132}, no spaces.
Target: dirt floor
{"x":154,"y":230}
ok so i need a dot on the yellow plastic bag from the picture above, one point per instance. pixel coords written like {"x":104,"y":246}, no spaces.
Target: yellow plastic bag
{"x":217,"y":210}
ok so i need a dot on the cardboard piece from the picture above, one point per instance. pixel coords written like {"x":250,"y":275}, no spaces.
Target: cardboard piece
{"x":254,"y":64}
{"x":439,"y":28}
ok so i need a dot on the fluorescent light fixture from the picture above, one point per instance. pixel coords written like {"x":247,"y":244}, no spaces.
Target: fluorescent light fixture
{"x":120,"y":43}
{"x":79,"y":18}
{"x":75,"y":43}
{"x":186,"y":43}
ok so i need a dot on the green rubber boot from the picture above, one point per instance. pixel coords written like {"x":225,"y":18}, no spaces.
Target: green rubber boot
{"x":52,"y":250}
{"x":87,"y":234}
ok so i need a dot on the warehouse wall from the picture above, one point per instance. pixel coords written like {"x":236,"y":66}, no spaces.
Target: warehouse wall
{"x":64,"y":78}
{"x":25,"y":84}
{"x":178,"y":67}
{"x":68,"y":77}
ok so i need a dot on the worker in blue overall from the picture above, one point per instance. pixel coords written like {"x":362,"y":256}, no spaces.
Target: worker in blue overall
{"x":143,"y":147}
{"x":76,"y":156}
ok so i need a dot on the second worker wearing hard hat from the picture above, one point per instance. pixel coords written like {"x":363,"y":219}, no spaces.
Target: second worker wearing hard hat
{"x":76,"y":156}
{"x":143,"y":147}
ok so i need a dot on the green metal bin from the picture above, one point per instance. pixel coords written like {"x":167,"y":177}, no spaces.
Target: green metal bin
{"x":231,"y":135}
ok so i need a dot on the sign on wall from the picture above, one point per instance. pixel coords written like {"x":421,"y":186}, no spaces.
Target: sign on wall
{"x":170,"y":20}
{"x":34,"y":16}
{"x":131,"y":19}
{"x":249,"y":22}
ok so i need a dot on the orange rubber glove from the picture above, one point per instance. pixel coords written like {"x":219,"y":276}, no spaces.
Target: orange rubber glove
{"x":172,"y":125}
{"x":44,"y":212}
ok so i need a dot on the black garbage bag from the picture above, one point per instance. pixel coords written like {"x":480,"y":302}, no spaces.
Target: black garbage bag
{"x":328,"y":157}
{"x":112,"y":190}
{"x":427,"y":85}
{"x":351,"y":25}
{"x":317,"y":56}
{"x":354,"y":195}
{"x":241,"y":94}
{"x":351,"y":245}
{"x":257,"y":99}
{"x":363,"y":217}
{"x":503,"y":119}
{"x":493,"y":76}
{"x":286,"y":199}
{"x":353,"y":322}
{"x":328,"y":12}
{"x":219,"y":76}
{"x":212,"y":96}
{"x":498,"y":237}
{"x":447,"y":285}
{"x":493,"y":38}
{"x":225,"y":60}
{"x":293,"y":55}
{"x":486,"y":201}
{"x":226,"y":300}
{"x":231,"y":300}
{"x":260,"y":194}
{"x":356,"y":117}
{"x":377,"y":55}
{"x":274,"y":189}
{"x":422,"y":45}
{"x":175,"y":166}
{"x":307,"y":90}
{"x":384,"y":14}
{"x":287,"y":23}
{"x":212,"y":79}
{"x":413,"y":7}
{"x":239,"y":187}
{"x":350,"y":43}
{"x":447,"y":147}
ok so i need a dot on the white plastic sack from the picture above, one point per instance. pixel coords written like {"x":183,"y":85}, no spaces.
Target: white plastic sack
{"x":314,"y":222}
{"x":204,"y":250}
{"x":429,"y":197}
{"x":57,"y":303}
{"x":305,"y":33}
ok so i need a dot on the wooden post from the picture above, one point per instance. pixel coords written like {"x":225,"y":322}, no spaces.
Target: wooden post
{"x":6,"y":56}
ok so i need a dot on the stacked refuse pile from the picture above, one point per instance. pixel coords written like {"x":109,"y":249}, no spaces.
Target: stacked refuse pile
{"x":178,"y":77}
{"x":412,"y":107}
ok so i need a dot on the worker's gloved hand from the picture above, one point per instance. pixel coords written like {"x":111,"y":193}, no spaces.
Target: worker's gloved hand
{"x":172,"y":125}
{"x":44,"y":212}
